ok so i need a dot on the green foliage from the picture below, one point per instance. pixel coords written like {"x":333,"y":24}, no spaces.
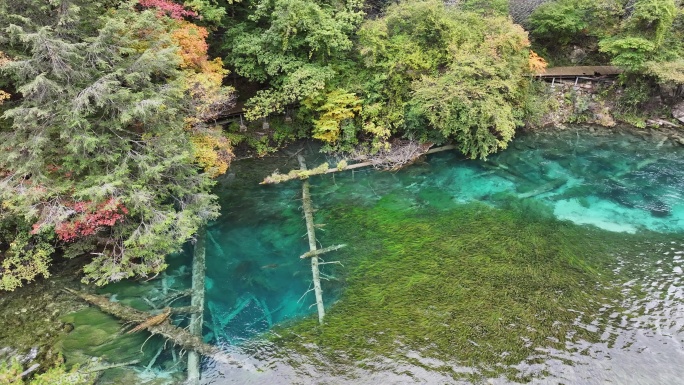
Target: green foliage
{"x":653,"y":18}
{"x":667,"y":72}
{"x":26,"y":256}
{"x":10,"y":373}
{"x":634,"y":94}
{"x":561,"y":21}
{"x":102,"y":119}
{"x":486,"y":7}
{"x":209,"y":10}
{"x":645,"y":37}
{"x":538,"y":101}
{"x":290,"y":45}
{"x":368,"y":89}
{"x":458,"y":71}
{"x":580,"y":107}
{"x":335,"y":108}
{"x":629,"y":52}
{"x":478,"y":117}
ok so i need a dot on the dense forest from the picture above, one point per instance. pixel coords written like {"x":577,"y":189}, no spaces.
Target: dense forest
{"x":118,"y":116}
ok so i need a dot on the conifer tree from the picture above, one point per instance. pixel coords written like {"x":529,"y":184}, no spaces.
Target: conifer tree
{"x":100,"y":158}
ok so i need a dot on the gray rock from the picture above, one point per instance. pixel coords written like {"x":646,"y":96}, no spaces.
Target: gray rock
{"x":577,"y":55}
{"x":678,"y":112}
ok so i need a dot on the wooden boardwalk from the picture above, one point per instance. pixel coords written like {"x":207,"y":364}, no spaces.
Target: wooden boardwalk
{"x":579,"y":72}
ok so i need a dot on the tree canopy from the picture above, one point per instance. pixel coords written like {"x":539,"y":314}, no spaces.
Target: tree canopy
{"x":361,"y":81}
{"x":109,"y":138}
{"x":645,"y":37}
{"x":101,"y":157}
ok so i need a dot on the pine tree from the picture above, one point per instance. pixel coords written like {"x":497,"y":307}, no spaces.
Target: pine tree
{"x":99,"y":158}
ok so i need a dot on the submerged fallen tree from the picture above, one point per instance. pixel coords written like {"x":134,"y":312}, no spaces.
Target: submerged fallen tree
{"x":399,"y":155}
{"x":177,"y":335}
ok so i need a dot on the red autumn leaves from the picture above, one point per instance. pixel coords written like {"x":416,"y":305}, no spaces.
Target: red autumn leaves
{"x":88,"y":219}
{"x":173,"y":10}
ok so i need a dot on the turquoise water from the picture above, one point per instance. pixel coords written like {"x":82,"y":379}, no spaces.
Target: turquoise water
{"x":619,"y":183}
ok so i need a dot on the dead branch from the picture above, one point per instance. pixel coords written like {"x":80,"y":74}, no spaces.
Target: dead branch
{"x":400,"y":154}
{"x":318,"y":252}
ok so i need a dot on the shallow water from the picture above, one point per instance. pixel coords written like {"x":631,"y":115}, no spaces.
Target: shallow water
{"x":620,"y":184}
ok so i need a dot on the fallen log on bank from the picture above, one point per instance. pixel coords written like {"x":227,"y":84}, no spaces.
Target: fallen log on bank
{"x":386,"y":162}
{"x":178,"y":336}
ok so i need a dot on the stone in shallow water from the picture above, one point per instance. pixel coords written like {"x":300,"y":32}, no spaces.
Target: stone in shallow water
{"x":96,"y":334}
{"x":660,"y":211}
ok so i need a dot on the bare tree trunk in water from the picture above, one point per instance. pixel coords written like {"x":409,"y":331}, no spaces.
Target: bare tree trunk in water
{"x":308,"y":216}
{"x":197,"y":301}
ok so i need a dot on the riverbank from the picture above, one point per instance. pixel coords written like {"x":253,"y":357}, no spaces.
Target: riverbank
{"x":598,"y":104}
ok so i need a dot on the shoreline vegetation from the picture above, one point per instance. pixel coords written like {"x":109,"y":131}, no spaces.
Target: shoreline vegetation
{"x":59,"y":326}
{"x":110,"y":149}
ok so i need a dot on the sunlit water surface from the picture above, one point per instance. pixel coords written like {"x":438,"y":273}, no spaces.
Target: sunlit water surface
{"x":620,"y":183}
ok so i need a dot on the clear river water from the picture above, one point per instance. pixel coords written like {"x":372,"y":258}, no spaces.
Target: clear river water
{"x":558,"y":260}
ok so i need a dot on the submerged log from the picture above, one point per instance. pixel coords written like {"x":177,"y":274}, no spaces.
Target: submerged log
{"x":311,"y":232}
{"x":107,"y":367}
{"x":548,"y":187}
{"x":179,"y":336}
{"x":178,"y":310}
{"x":318,"y":252}
{"x":197,"y":301}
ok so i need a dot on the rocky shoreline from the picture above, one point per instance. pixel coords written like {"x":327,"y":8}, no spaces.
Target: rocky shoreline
{"x":594,"y":105}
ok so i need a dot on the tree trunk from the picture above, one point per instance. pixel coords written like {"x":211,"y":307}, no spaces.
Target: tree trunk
{"x":197,"y":301}
{"x":179,"y":336}
{"x":311,"y":232}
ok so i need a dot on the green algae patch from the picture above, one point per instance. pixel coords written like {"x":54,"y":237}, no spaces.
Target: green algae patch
{"x":96,"y":334}
{"x":473,"y":286}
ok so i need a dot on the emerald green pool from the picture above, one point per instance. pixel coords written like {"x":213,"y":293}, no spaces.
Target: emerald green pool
{"x":557,"y":261}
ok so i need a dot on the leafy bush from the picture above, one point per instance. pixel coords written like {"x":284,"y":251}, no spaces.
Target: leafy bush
{"x":462,"y":73}
{"x":560,"y":22}
{"x":10,"y":373}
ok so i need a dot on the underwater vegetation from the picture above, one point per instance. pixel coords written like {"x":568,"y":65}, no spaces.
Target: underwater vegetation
{"x":96,"y":334}
{"x":543,"y":261}
{"x":470,"y":286}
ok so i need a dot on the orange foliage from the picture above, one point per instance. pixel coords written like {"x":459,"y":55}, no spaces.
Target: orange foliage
{"x":202,"y":80}
{"x":537,"y":63}
{"x":212,"y":151}
{"x":3,"y":60}
{"x":89,"y":218}
{"x":192,"y":42}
